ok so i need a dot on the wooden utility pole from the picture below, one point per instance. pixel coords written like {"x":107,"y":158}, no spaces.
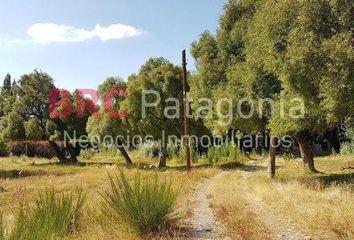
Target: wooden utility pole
{"x":185,"y":112}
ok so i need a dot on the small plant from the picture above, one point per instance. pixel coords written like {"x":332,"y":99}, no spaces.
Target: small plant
{"x":53,"y":216}
{"x":143,"y":205}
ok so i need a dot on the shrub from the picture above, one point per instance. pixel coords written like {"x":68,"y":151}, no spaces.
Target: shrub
{"x":143,"y":205}
{"x":193,"y":153}
{"x":173,"y":150}
{"x":150,"y":150}
{"x":52,"y":216}
{"x":225,"y":152}
{"x":32,"y":149}
{"x":348,"y":147}
{"x":3,"y":149}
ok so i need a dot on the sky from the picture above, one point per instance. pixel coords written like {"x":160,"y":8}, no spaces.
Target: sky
{"x":80,"y":43}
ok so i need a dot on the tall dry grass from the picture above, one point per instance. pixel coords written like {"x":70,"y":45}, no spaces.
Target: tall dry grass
{"x":232,"y":209}
{"x":322,"y":203}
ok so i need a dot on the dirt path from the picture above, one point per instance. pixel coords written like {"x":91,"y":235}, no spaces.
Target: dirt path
{"x":280,"y":227}
{"x":203,"y":223}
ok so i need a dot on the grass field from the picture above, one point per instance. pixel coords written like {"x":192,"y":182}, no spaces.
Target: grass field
{"x":321,"y":204}
{"x":22,"y":178}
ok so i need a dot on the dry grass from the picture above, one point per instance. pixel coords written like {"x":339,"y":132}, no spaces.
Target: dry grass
{"x":321,"y":203}
{"x":21,"y":179}
{"x":233,"y":210}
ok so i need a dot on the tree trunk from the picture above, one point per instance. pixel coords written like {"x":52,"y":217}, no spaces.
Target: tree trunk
{"x":163,"y":153}
{"x":124,"y":153}
{"x":271,"y":166}
{"x":71,"y":150}
{"x":60,"y":155}
{"x":306,"y":152}
{"x":57,"y":151}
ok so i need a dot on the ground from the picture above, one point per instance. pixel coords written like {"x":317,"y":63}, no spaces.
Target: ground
{"x":227,"y":201}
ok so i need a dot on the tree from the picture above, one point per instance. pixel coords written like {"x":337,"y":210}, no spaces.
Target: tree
{"x":163,"y":81}
{"x":12,"y":127}
{"x":105,"y":124}
{"x":7,"y":96}
{"x":6,"y":87}
{"x":32,"y":104}
{"x":308,"y":45}
{"x":281,"y":50}
{"x":33,"y":130}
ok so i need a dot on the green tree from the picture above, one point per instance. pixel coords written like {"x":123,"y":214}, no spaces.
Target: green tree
{"x":281,"y":50}
{"x":6,"y":87}
{"x":33,"y":130}
{"x":7,"y":96}
{"x":32,"y":102}
{"x":12,"y":126}
{"x":308,"y":45}
{"x":162,"y":119}
{"x":105,"y":124}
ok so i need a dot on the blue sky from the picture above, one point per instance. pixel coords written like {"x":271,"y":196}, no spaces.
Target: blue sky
{"x":79,"y":43}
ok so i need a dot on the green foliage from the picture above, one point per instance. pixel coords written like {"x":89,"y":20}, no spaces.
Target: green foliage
{"x":193,"y":154}
{"x":223,"y":153}
{"x":144,"y":205}
{"x":53,"y":216}
{"x":33,"y":130}
{"x":149,"y":150}
{"x":106,"y":125}
{"x":6,"y":87}
{"x":348,"y":147}
{"x":159,"y":75}
{"x":4,"y":150}
{"x":12,"y":126}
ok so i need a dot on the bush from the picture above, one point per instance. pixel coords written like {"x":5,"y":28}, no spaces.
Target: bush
{"x":150,"y":150}
{"x":225,"y":152}
{"x":53,"y":216}
{"x":3,"y":149}
{"x":32,"y":149}
{"x":193,"y":153}
{"x":348,"y":147}
{"x":143,"y":205}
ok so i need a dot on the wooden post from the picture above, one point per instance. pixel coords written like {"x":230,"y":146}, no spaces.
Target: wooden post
{"x":186,"y":107}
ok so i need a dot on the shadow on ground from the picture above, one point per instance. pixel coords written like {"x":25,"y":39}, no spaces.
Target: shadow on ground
{"x":241,"y":166}
{"x":15,"y":173}
{"x":330,"y":179}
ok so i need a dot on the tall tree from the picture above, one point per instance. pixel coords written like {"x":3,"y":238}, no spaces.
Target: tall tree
{"x":106,"y":124}
{"x":281,"y":50}
{"x":308,"y":46}
{"x":32,"y":103}
{"x":162,"y":119}
{"x":6,"y":87}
